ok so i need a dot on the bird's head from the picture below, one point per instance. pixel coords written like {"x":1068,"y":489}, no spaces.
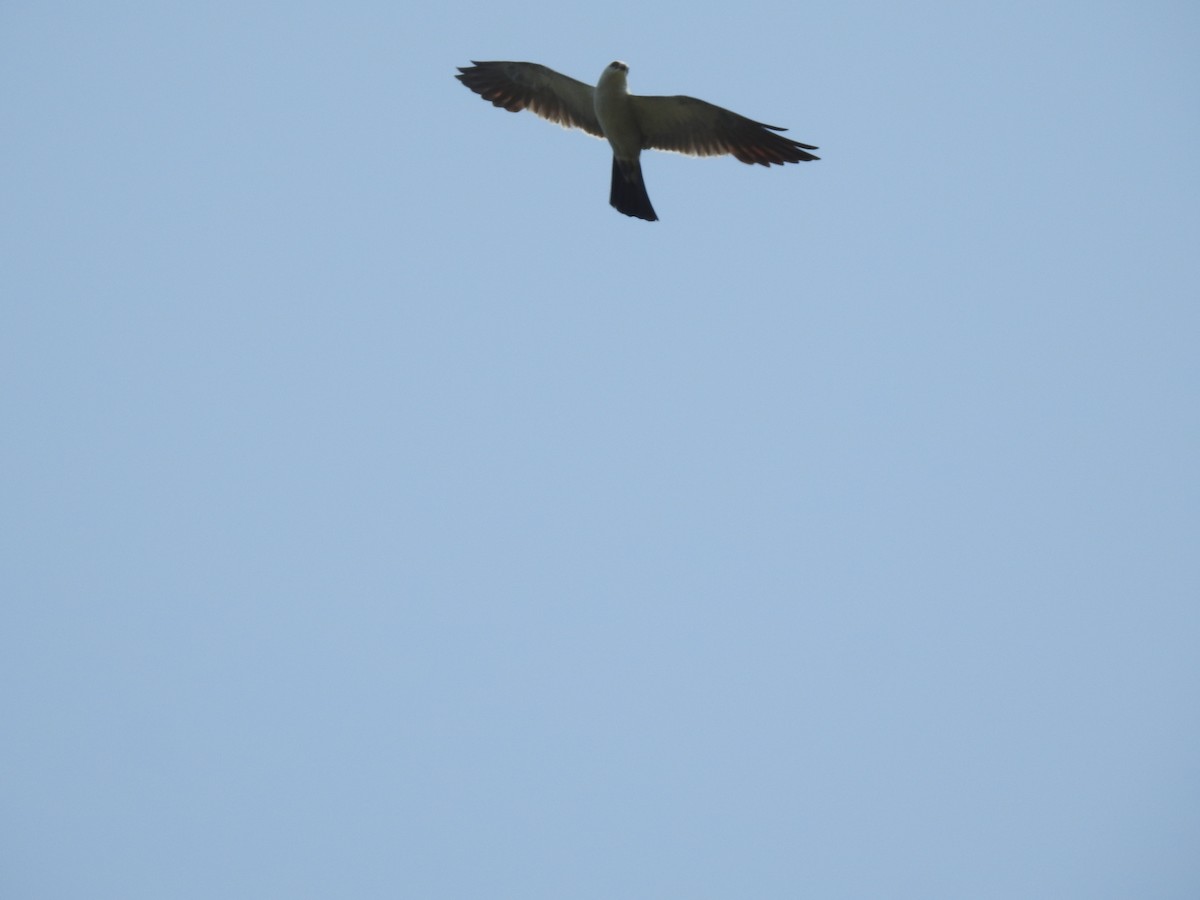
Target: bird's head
{"x":614,"y":76}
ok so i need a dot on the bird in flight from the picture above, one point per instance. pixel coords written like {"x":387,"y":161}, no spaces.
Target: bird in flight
{"x":631,"y":123}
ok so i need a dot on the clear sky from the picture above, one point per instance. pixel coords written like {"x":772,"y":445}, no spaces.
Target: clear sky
{"x":386,"y":516}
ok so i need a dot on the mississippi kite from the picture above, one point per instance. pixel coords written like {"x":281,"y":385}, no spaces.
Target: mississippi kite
{"x":631,"y":123}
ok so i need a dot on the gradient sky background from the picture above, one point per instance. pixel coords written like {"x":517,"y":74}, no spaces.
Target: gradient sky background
{"x":386,"y":516}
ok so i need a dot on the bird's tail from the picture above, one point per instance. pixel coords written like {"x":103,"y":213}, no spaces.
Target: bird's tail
{"x":629,"y":191}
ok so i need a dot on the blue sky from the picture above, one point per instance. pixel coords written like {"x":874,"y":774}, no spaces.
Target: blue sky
{"x":386,"y":516}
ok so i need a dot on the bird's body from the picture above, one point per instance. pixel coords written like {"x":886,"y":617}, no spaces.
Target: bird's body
{"x":618,"y":121}
{"x":631,"y":123}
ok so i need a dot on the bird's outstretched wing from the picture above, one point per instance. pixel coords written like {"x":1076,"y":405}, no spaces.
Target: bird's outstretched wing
{"x":521,"y":85}
{"x":688,"y":125}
